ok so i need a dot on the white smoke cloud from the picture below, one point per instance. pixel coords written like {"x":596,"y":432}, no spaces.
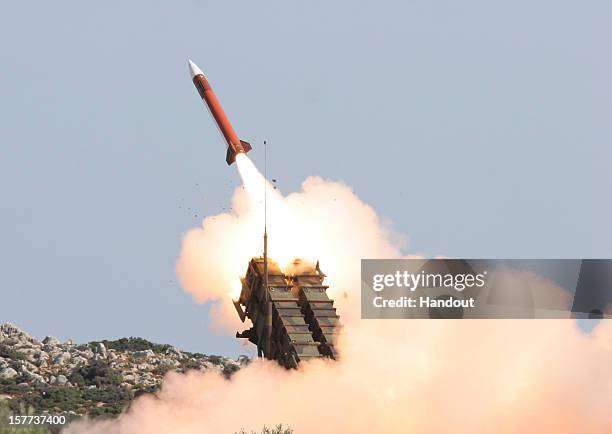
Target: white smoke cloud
{"x":325,"y":221}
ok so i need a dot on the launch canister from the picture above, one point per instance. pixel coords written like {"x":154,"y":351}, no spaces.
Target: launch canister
{"x":234,"y":144}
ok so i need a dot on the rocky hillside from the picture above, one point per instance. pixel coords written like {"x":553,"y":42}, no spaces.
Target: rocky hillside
{"x":95,"y":378}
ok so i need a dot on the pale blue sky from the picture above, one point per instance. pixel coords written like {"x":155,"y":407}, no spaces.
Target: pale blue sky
{"x":480,"y":128}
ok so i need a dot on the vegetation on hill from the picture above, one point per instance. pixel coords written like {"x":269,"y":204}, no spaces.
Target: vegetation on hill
{"x":131,"y":344}
{"x":94,"y":379}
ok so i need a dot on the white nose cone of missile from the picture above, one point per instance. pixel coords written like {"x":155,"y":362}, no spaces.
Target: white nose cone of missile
{"x":193,"y":68}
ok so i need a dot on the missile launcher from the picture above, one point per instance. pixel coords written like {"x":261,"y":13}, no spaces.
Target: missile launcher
{"x":305,"y":324}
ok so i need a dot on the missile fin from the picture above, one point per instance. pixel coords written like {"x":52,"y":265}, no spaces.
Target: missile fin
{"x":246,"y":146}
{"x":230,"y":157}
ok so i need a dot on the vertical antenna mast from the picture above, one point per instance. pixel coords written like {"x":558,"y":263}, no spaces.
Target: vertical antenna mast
{"x":265,"y":189}
{"x":268,"y":325}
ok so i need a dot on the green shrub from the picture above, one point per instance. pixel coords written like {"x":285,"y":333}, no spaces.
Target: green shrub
{"x":143,"y":390}
{"x":115,"y":399}
{"x":229,"y":370}
{"x":189,"y":364}
{"x":7,"y":382}
{"x":131,"y":344}
{"x":8,"y":353}
{"x":215,"y":360}
{"x":64,"y":399}
{"x":97,"y":373}
{"x":194,"y":355}
{"x":77,"y":379}
{"x":162,"y":369}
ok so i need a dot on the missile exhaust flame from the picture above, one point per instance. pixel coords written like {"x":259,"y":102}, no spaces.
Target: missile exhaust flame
{"x":286,"y":240}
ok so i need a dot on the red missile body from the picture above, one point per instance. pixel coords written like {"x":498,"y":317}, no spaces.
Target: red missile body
{"x":234,"y":144}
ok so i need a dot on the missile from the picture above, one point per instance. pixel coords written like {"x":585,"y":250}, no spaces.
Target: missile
{"x":234,"y":144}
